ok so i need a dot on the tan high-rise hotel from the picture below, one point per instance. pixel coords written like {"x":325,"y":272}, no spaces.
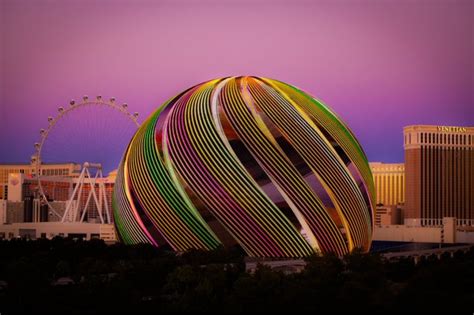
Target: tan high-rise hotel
{"x":439,"y":170}
{"x":389,"y":180}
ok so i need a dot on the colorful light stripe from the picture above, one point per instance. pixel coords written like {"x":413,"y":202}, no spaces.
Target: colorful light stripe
{"x":248,"y":161}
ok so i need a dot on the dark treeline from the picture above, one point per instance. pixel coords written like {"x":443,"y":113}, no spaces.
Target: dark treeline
{"x":79,"y":276}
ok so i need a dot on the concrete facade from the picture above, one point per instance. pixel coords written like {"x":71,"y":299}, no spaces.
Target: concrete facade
{"x":388,"y":215}
{"x":449,"y":232}
{"x":34,"y":230}
{"x":29,"y":169}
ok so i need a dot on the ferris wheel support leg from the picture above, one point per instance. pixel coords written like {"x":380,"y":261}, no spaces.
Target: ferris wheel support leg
{"x":97,"y":204}
{"x":100,"y":196}
{"x":100,"y":206}
{"x":78,"y":203}
{"x":107,"y":212}
{"x":95,"y":195}
{"x":103,"y":201}
{"x":70,"y":202}
{"x":69,"y":205}
{"x":84,"y":210}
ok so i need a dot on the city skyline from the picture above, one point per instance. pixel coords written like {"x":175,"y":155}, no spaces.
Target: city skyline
{"x":236,"y":156}
{"x":377,"y":73}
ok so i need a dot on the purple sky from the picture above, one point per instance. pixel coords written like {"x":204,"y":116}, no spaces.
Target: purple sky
{"x":380,"y":65}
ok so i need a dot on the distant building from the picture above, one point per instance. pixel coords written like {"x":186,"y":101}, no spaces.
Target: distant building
{"x":33,"y":230}
{"x":439,"y":168}
{"x":388,"y":215}
{"x":438,"y":205}
{"x":389,"y":180}
{"x":58,"y":189}
{"x":59,"y":169}
{"x":23,"y":214}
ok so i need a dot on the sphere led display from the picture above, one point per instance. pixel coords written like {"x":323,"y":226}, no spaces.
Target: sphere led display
{"x":248,"y":161}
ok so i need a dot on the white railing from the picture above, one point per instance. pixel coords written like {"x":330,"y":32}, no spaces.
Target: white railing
{"x":465,"y":222}
{"x":431,"y":222}
{"x":439,"y":222}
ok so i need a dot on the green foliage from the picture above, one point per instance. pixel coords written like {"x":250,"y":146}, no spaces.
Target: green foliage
{"x":143,"y":278}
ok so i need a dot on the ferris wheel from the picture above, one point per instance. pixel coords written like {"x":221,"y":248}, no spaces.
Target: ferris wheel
{"x":91,"y":135}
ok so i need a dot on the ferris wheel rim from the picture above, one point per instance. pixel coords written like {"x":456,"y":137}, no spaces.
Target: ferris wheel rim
{"x":98,"y":100}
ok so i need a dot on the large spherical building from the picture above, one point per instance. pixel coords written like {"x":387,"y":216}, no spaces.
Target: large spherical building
{"x":248,"y":161}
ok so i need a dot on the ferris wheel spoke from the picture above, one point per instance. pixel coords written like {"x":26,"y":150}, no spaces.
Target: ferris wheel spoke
{"x":90,"y":130}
